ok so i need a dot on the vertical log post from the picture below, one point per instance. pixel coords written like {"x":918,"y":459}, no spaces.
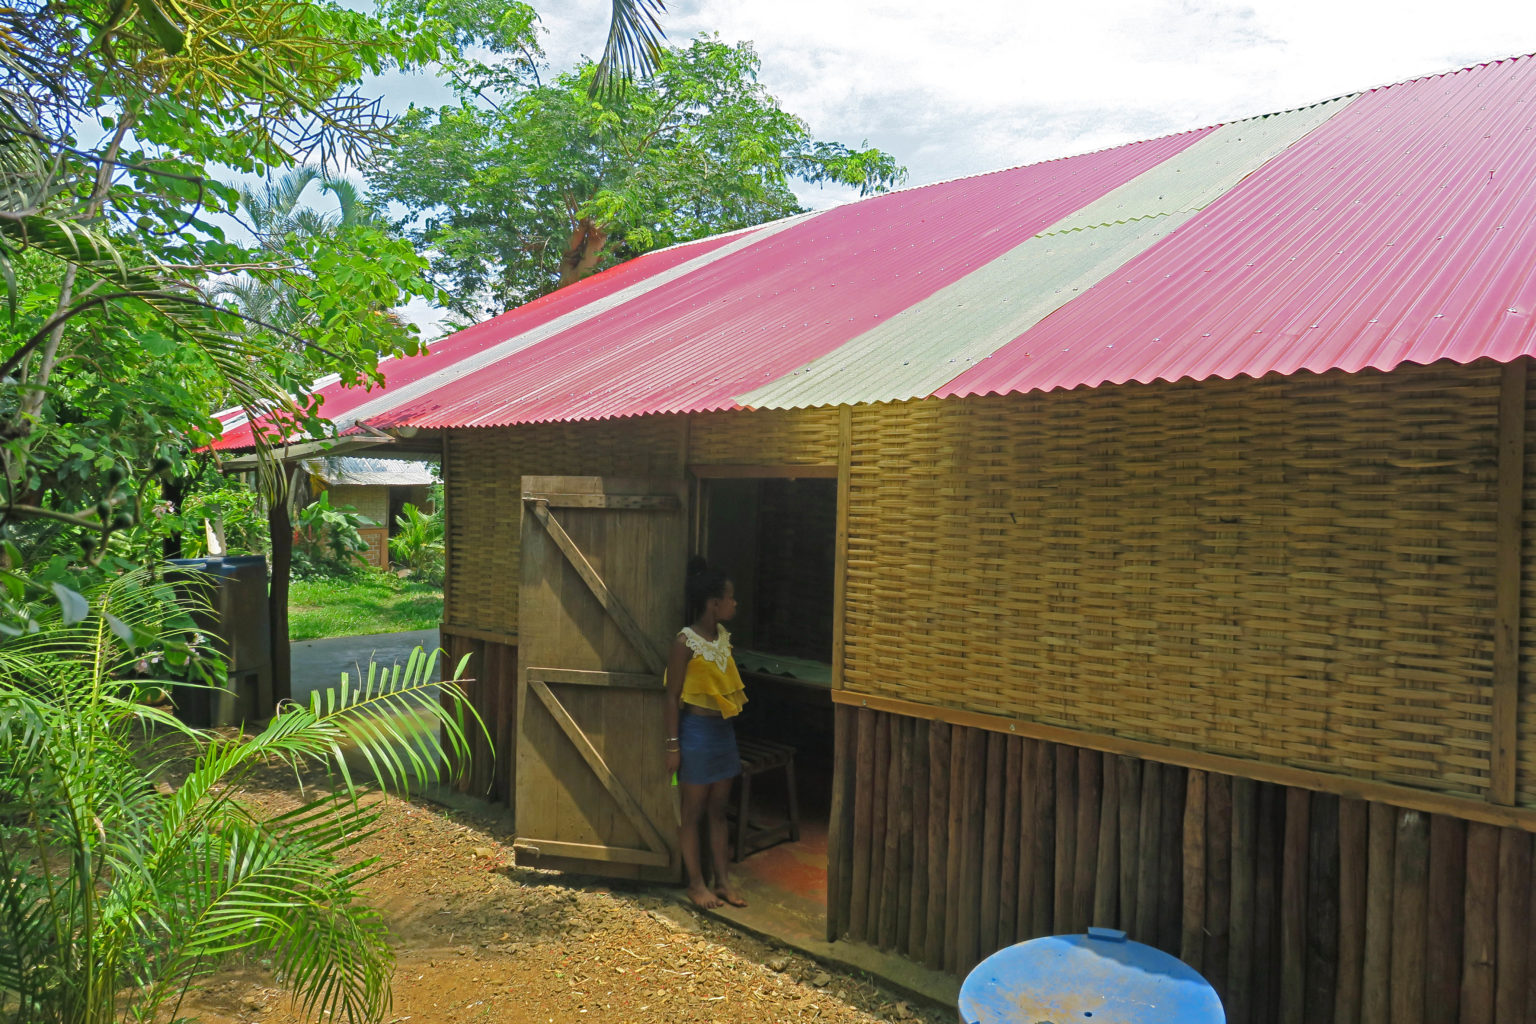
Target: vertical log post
{"x":938,"y":843}
{"x":1066,"y":838}
{"x":1352,"y":874}
{"x":1192,"y":935}
{"x":1008,"y":860}
{"x":1218,"y":878}
{"x":1043,"y":882}
{"x":992,"y":844}
{"x":1129,"y":771}
{"x":1147,"y":849}
{"x":1106,"y":883}
{"x":1293,"y":906}
{"x":1410,"y":892}
{"x":881,"y":804}
{"x":1513,"y":923}
{"x":1239,"y":994}
{"x":863,"y":817}
{"x":840,"y":821}
{"x":1376,"y":975}
{"x":1480,"y":935}
{"x":1447,"y":889}
{"x":1322,"y":908}
{"x":917,"y":927}
{"x":1090,"y":786}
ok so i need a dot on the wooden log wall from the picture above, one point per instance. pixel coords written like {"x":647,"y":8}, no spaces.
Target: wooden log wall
{"x":950,"y":842}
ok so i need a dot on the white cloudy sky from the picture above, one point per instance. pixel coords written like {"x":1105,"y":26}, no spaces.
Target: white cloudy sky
{"x":953,"y":87}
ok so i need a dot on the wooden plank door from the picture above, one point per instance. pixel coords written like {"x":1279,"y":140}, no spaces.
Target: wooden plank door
{"x":603,"y":565}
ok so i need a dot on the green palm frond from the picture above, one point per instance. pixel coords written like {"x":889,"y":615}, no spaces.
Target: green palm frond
{"x":142,"y":891}
{"x":634,"y":44}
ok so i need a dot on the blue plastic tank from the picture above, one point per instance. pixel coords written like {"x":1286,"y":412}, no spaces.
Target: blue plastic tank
{"x":1098,"y":978}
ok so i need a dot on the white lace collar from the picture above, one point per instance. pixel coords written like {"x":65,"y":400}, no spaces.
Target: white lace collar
{"x":717,"y":651}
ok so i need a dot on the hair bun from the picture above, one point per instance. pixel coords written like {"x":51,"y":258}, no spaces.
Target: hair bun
{"x":697,"y":565}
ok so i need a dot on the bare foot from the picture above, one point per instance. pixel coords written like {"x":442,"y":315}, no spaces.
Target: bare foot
{"x":702,"y":897}
{"x":730,"y":895}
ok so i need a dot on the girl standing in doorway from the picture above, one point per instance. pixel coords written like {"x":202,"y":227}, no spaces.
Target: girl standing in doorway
{"x":704,"y":692}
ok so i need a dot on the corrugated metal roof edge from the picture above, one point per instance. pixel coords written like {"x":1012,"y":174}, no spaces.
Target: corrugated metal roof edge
{"x":1183,"y":378}
{"x":1240,"y":375}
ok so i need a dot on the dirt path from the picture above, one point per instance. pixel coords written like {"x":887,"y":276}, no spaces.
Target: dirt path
{"x":479,"y":939}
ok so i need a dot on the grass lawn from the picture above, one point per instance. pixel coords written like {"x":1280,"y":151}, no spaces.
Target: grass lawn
{"x":355,"y":606}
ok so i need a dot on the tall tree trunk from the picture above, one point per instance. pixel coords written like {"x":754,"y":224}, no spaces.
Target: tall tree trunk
{"x":582,"y":251}
{"x":280,"y":526}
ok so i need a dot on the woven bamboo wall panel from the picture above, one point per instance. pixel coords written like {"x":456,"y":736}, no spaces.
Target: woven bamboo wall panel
{"x":794,"y":437}
{"x":1526,"y":729}
{"x":1295,"y":570}
{"x":484,"y":469}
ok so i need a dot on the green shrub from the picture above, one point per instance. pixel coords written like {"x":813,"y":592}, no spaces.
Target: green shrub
{"x":118,"y":894}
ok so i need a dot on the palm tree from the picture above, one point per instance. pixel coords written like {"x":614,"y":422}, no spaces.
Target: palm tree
{"x":117,"y":894}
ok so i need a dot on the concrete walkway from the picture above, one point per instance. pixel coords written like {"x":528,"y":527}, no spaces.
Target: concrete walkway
{"x":318,"y":664}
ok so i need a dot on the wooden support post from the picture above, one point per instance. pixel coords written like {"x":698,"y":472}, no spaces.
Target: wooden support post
{"x":1352,"y":868}
{"x":1239,"y":994}
{"x":904,"y":854}
{"x":1170,"y":902}
{"x":1029,"y":830}
{"x":1507,"y":571}
{"x":1147,"y":850}
{"x":917,"y":928}
{"x":840,"y":822}
{"x":1376,"y":977}
{"x":1106,"y":883}
{"x":1514,"y":924}
{"x":1192,"y":935}
{"x":1447,"y":894}
{"x":1008,"y":858}
{"x":1322,"y":908}
{"x":1480,"y":915}
{"x":881,"y":803}
{"x":863,"y":818}
{"x":1218,"y":878}
{"x":1043,"y":840}
{"x":1066,"y":838}
{"x":992,"y":844}
{"x":891,"y":879}
{"x":1293,"y":907}
{"x":938,"y":843}
{"x":1129,"y":771}
{"x":1410,"y":899}
{"x":1269,"y":831}
{"x":1090,"y":787}
{"x":954,"y":867}
{"x":968,"y":928}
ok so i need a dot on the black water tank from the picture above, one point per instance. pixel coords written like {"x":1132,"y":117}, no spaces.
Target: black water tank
{"x":238,"y":619}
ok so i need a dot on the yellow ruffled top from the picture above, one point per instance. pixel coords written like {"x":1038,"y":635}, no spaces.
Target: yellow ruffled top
{"x":712,"y":681}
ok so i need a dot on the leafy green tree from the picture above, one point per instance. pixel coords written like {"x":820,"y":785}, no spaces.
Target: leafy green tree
{"x":522,"y":187}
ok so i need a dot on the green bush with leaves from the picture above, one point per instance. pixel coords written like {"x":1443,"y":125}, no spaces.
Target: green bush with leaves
{"x":117,"y":893}
{"x":418,"y":541}
{"x":325,"y":532}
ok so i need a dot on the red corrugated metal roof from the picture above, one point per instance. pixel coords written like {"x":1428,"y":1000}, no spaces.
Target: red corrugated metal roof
{"x":694,"y":343}
{"x":447,"y":352}
{"x":1402,"y":230}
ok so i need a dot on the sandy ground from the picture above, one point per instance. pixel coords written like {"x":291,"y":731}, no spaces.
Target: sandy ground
{"x":479,"y":939}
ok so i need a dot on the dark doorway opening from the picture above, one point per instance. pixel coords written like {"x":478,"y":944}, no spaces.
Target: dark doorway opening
{"x":776,"y":537}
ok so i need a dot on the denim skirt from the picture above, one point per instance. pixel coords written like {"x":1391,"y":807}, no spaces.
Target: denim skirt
{"x":708,"y":746}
